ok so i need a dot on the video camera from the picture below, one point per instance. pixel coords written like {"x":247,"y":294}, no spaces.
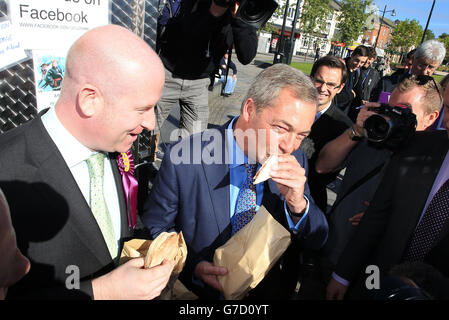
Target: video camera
{"x":253,"y":12}
{"x":390,"y":125}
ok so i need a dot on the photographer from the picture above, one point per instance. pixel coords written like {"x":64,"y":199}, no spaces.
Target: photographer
{"x":193,"y":35}
{"x":365,"y":160}
{"x":407,"y":219}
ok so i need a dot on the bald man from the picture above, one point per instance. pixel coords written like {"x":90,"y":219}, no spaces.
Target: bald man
{"x":61,"y":178}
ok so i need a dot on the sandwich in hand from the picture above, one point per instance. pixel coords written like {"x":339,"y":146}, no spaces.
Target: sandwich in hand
{"x":264,"y":171}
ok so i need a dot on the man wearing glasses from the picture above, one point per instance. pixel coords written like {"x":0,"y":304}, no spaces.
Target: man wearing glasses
{"x":365,"y":161}
{"x":329,"y":76}
{"x":407,"y":221}
{"x":426,"y":60}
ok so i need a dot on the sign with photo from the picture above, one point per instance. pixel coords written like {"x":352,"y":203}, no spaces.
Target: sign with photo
{"x":48,"y":74}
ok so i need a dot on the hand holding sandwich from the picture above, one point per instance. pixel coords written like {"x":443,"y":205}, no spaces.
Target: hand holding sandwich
{"x":290,"y":178}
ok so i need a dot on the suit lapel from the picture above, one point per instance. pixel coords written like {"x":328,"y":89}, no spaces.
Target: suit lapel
{"x":52,"y":170}
{"x":427,"y":167}
{"x":125,"y":230}
{"x":218,"y":180}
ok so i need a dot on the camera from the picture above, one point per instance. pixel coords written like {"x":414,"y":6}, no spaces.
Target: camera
{"x":390,"y":125}
{"x":253,"y":12}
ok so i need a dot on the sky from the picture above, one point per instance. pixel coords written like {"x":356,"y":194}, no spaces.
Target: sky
{"x":419,"y":10}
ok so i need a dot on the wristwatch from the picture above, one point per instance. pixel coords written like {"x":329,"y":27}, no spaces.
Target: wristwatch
{"x":353,"y":135}
{"x":297,"y":215}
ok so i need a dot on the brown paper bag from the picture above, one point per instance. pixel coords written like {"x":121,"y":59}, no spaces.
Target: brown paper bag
{"x":250,"y":254}
{"x":175,"y":289}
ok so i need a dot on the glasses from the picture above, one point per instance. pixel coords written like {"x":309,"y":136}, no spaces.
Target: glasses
{"x":329,"y":85}
{"x":423,"y":80}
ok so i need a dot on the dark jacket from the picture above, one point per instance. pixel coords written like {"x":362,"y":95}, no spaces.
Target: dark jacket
{"x":344,"y":99}
{"x":192,"y":43}
{"x":329,"y":126}
{"x":387,"y":84}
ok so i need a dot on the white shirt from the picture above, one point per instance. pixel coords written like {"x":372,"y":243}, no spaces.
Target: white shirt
{"x":75,"y":155}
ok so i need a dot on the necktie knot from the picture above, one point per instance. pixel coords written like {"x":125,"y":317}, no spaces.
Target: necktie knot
{"x":250,"y":170}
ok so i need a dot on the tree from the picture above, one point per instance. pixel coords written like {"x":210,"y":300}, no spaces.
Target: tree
{"x":444,"y":38}
{"x":406,"y":34}
{"x":429,"y":35}
{"x":352,"y":20}
{"x":314,"y":17}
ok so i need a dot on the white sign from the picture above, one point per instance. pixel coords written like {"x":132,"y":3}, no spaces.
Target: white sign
{"x":48,"y":74}
{"x":11,"y":50}
{"x":56,"y":24}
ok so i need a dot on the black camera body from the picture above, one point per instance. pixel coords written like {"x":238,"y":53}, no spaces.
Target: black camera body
{"x":253,"y":12}
{"x":390,"y":125}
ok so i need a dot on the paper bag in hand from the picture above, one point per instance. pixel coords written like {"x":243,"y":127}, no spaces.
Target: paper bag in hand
{"x":169,"y":246}
{"x":250,"y":254}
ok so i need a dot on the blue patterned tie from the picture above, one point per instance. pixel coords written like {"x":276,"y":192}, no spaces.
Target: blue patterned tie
{"x":245,"y":208}
{"x":97,"y":203}
{"x":430,"y":226}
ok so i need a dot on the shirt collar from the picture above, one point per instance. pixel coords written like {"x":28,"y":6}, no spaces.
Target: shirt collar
{"x":236,"y":156}
{"x":320,"y":113}
{"x":70,"y":148}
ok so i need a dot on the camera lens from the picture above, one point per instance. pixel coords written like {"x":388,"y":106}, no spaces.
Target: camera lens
{"x":256,"y":12}
{"x":377,"y":128}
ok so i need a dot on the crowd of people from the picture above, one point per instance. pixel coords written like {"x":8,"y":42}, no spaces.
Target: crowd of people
{"x":62,"y":202}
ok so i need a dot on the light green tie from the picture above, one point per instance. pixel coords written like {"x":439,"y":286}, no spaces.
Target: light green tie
{"x":98,"y":203}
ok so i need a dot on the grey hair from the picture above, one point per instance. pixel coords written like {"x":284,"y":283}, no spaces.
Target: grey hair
{"x":268,"y":84}
{"x":431,"y":50}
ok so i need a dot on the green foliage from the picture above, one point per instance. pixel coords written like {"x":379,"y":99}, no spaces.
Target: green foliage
{"x":444,"y":38}
{"x":407,"y":33}
{"x":314,"y":15}
{"x":352,"y":20}
{"x":429,"y":35}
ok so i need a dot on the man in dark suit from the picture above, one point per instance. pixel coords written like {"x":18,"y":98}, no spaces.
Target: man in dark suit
{"x":407,"y":219}
{"x":201,"y":185}
{"x":62,"y":181}
{"x":357,"y":59}
{"x":329,"y":76}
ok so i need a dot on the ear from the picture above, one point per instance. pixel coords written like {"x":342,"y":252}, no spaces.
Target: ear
{"x":249,"y":109}
{"x":90,"y":100}
{"x":341,"y":88}
{"x":430,"y":118}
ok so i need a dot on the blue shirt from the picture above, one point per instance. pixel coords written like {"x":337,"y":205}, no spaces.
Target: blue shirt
{"x":237,"y":175}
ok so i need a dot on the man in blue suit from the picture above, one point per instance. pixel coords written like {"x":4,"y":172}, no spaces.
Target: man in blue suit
{"x":203,"y":179}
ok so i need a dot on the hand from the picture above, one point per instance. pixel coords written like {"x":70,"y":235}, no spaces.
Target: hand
{"x":131,"y":282}
{"x":234,"y":76}
{"x":355,"y":220}
{"x":363,"y":115}
{"x":335,"y":290}
{"x":208,"y":272}
{"x":290,"y":178}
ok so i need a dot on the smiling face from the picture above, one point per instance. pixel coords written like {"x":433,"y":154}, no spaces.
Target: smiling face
{"x":275,"y":129}
{"x":356,"y":62}
{"x":328,"y":84}
{"x":124,"y":118}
